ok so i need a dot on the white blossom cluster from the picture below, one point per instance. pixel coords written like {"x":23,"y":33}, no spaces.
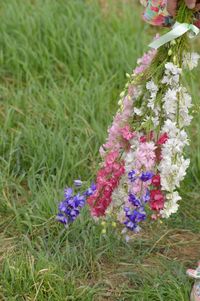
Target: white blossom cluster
{"x":155,"y":108}
{"x":152,"y":89}
{"x":173,"y":165}
{"x":177,"y":101}
{"x":130,"y":157}
{"x":190,"y":60}
{"x":119,"y":197}
{"x":176,"y":104}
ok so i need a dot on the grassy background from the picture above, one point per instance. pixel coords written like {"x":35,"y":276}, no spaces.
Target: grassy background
{"x":63,"y":65}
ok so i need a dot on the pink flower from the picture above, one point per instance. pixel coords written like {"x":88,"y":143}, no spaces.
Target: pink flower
{"x":146,"y":138}
{"x":163,"y":138}
{"x":111,"y":157}
{"x":143,"y":139}
{"x":154,"y":217}
{"x":145,"y":156}
{"x":156,"y":180}
{"x":127,"y":133}
{"x":144,"y":61}
{"x":108,"y":178}
{"x":115,"y":140}
{"x":157,"y":200}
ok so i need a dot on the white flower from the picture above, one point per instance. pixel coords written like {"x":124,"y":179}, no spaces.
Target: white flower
{"x":171,"y":94}
{"x":170,"y":103}
{"x":173,"y":69}
{"x":155,"y":121}
{"x":173,"y":171}
{"x":175,"y":144}
{"x":137,"y":111}
{"x":172,"y":74}
{"x":173,"y":164}
{"x":190,"y":60}
{"x":170,"y":80}
{"x":171,"y":205}
{"x":119,"y":197}
{"x":184,"y":118}
{"x":185,"y":103}
{"x":170,"y":128}
{"x":129,"y":159}
{"x":150,"y":103}
{"x":151,"y":86}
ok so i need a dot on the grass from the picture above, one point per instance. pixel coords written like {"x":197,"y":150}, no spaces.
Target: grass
{"x":63,"y":65}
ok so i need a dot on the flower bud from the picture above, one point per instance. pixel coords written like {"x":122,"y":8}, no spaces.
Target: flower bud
{"x":175,"y":59}
{"x":103,"y":231}
{"x":170,"y":52}
{"x":120,"y":102}
{"x":173,"y":42}
{"x":114,"y":224}
{"x":122,"y":94}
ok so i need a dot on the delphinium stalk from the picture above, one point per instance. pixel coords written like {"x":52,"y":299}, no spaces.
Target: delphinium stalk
{"x":143,"y":161}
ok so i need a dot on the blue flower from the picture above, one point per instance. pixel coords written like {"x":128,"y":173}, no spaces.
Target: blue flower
{"x":133,"y":200}
{"x":90,"y":190}
{"x":70,"y":207}
{"x":134,"y":217}
{"x":63,"y":206}
{"x":146,"y":197}
{"x":68,"y":192}
{"x":62,"y":218}
{"x":132,"y":176}
{"x":78,"y":183}
{"x":146,"y":176}
{"x":130,"y":225}
{"x":79,"y":200}
{"x":73,"y":214}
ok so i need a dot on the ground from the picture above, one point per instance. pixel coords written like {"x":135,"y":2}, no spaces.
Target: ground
{"x":63,"y":65}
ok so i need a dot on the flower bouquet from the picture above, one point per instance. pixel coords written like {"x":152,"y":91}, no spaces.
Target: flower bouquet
{"x":143,"y":160}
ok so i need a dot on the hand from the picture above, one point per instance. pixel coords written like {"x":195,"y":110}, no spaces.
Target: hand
{"x":172,"y":5}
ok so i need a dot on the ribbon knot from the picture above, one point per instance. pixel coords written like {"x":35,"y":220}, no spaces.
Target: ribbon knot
{"x":177,"y":31}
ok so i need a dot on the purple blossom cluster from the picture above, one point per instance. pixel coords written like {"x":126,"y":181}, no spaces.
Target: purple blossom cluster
{"x":145,"y":176}
{"x":134,"y":217}
{"x":70,"y":207}
{"x":138,"y":214}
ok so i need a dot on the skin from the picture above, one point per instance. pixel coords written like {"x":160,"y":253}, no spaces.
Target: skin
{"x":172,"y":5}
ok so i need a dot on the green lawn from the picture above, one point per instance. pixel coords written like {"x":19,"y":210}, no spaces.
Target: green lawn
{"x":63,"y":65}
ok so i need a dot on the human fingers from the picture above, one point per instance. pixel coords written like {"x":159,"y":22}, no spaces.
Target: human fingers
{"x":190,"y":3}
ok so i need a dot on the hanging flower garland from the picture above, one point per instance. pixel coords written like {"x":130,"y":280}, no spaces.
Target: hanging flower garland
{"x":143,"y":158}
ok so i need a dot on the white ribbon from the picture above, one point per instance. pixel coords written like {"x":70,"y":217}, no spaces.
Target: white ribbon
{"x":178,"y":30}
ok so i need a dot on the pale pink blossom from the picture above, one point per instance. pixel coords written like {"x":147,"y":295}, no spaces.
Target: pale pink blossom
{"x":145,"y":156}
{"x":144,"y":61}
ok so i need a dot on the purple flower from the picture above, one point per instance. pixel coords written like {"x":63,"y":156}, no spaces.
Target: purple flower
{"x":70,"y":207}
{"x":130,"y":225}
{"x":79,"y":200}
{"x":146,"y":176}
{"x":132,"y":176}
{"x":78,"y":183}
{"x":68,"y":192}
{"x":134,"y":217}
{"x":63,"y":206}
{"x":62,"y":218}
{"x":73,"y":214}
{"x":146,"y":197}
{"x":90,"y":190}
{"x":133,"y":200}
